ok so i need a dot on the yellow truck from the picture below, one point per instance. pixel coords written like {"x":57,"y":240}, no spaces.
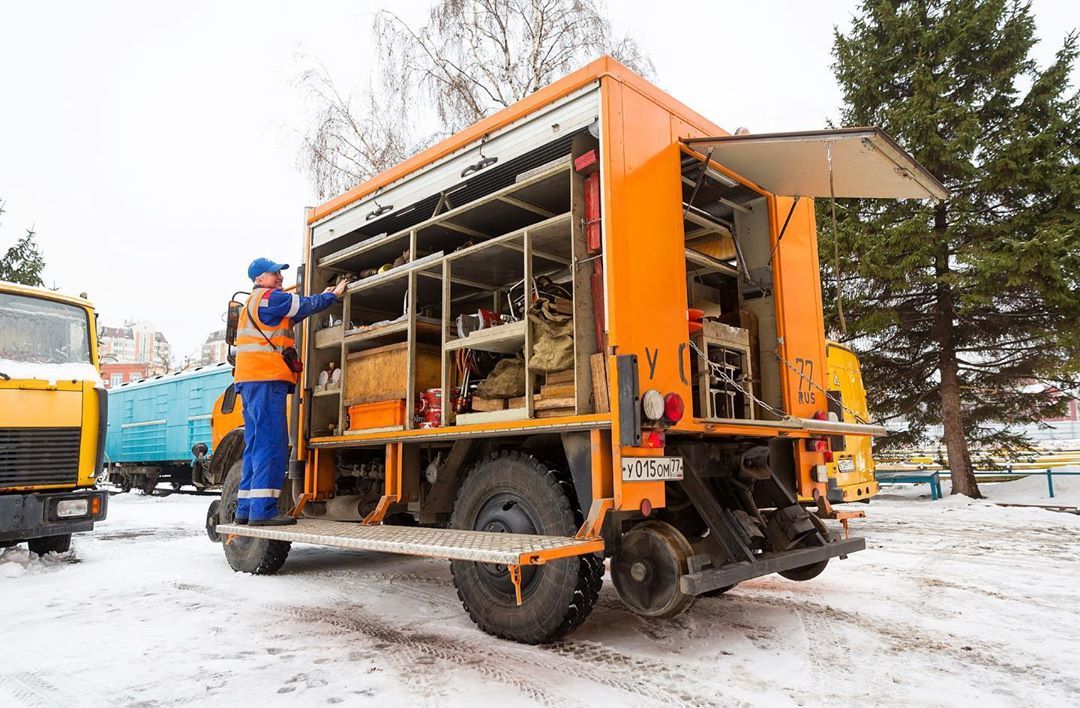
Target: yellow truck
{"x":851,"y":470}
{"x":52,"y":419}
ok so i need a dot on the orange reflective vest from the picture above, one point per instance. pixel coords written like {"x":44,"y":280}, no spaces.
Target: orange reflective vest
{"x":256,"y":358}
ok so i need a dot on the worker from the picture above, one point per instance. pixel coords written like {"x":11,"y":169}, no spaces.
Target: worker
{"x":267,"y":369}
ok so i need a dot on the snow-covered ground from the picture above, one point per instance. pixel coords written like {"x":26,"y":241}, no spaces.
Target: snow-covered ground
{"x":954,"y":602}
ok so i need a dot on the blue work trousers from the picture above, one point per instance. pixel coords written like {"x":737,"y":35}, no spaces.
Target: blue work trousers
{"x":266,"y":448}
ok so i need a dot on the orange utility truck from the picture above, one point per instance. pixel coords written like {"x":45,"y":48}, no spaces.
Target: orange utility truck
{"x":588,"y":326}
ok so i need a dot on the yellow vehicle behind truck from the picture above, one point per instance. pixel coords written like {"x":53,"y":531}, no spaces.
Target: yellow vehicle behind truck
{"x":851,"y":471}
{"x":52,"y":419}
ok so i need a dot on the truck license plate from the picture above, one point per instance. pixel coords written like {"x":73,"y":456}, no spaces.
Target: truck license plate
{"x":648,"y":469}
{"x":846,"y":465}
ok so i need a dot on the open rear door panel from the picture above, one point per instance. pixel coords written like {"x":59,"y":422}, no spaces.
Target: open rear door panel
{"x":861,"y":162}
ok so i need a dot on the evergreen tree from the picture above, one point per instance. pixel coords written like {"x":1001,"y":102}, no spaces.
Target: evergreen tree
{"x":962,"y":308}
{"x":23,"y":262}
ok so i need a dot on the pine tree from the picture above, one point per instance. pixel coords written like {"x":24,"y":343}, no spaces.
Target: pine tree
{"x":961,"y":309}
{"x":23,"y":262}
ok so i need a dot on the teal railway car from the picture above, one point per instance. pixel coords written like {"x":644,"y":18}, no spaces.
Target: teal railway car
{"x":159,"y":428}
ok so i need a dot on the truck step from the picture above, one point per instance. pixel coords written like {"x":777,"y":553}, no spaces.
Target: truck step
{"x":479,"y":546}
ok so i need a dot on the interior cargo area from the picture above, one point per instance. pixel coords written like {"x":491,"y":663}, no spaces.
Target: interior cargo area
{"x":483,"y":303}
{"x":438,"y":327}
{"x":730,"y":307}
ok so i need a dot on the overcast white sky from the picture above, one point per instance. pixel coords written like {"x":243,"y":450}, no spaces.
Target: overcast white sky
{"x":153,"y":145}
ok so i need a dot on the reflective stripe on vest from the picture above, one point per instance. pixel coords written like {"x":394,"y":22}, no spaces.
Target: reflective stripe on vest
{"x":256,"y":358}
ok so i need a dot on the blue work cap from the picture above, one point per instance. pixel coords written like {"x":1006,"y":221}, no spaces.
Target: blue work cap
{"x":264,"y":265}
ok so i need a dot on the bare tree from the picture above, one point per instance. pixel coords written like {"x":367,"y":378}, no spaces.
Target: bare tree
{"x":470,"y":59}
{"x":474,"y":57}
{"x":353,"y":136}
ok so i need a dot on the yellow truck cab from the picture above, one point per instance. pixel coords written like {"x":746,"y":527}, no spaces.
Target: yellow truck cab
{"x":52,"y":418}
{"x":851,"y":471}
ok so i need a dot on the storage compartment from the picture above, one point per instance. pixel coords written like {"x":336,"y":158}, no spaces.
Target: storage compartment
{"x":382,"y":414}
{"x":729,"y":295}
{"x":382,"y":373}
{"x":439,"y":300}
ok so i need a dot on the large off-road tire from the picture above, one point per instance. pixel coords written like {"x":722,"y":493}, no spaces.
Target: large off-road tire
{"x":50,"y":544}
{"x":517,"y":493}
{"x":258,"y":556}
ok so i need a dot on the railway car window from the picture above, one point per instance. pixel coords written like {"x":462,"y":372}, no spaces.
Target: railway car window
{"x":228,"y":403}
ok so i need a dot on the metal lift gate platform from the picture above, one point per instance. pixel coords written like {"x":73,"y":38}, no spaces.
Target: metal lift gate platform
{"x":510,"y":549}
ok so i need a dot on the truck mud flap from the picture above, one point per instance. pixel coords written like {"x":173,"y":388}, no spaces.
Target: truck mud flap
{"x":714,"y":578}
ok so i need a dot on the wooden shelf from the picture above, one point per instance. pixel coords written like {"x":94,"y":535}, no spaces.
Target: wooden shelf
{"x":328,"y":337}
{"x":537,"y":195}
{"x":377,"y":336}
{"x":503,"y":339}
{"x":326,"y":392}
{"x":375,"y":248}
{"x":507,"y":414}
{"x":393,"y":273}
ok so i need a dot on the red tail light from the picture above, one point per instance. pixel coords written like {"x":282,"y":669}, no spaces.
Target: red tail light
{"x":673,"y":408}
{"x":821,"y":415}
{"x":817,"y":445}
{"x":653,"y":439}
{"x":828,"y":456}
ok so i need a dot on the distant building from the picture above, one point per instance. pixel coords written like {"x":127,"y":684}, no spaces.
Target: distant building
{"x":136,"y":342}
{"x":115,"y":373}
{"x":214,"y":349}
{"x":117,"y":344}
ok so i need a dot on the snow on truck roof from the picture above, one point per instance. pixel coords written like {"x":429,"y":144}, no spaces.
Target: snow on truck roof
{"x":44,"y":293}
{"x":175,"y":375}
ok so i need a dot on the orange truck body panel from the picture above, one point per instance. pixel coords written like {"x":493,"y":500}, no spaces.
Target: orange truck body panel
{"x":644,"y":267}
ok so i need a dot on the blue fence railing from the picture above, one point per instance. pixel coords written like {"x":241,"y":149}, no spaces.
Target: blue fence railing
{"x":933,"y":477}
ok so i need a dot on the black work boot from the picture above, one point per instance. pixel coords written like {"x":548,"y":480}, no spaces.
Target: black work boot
{"x":279,"y":520}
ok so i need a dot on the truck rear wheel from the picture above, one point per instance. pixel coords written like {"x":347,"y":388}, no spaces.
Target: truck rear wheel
{"x":258,"y":556}
{"x":511,"y":492}
{"x":50,"y":544}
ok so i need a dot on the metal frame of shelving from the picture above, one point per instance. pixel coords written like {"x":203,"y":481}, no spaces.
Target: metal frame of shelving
{"x":549,"y":258}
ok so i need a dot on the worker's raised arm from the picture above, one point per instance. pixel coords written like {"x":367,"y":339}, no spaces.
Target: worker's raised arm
{"x":281,"y":304}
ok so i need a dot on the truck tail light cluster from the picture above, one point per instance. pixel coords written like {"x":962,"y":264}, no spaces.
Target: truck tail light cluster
{"x":817,"y":445}
{"x":658,"y":408}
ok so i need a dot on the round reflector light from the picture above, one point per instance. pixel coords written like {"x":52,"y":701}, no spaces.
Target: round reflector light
{"x":673,"y":408}
{"x":652,"y":404}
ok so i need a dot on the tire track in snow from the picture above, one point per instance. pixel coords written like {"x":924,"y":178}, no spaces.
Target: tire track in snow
{"x":588,"y":661}
{"x":903,"y":637}
{"x":31,"y":688}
